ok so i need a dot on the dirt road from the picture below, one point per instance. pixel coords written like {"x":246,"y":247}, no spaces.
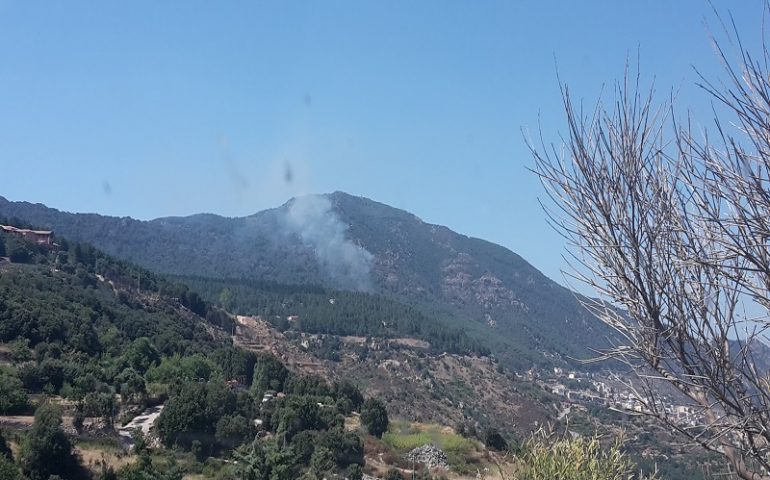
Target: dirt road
{"x":143,"y":422}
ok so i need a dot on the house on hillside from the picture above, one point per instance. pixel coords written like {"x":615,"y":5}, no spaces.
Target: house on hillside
{"x":41,"y":237}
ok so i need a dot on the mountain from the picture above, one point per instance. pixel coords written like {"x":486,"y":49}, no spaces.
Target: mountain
{"x":103,"y":339}
{"x":73,"y":319}
{"x":347,"y":242}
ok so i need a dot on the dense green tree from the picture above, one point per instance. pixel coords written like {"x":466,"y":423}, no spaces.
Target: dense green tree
{"x":183,"y":419}
{"x":348,"y":395}
{"x":5,"y":450}
{"x":266,"y":461}
{"x":140,"y":442}
{"x":13,"y":397}
{"x":374,"y":417}
{"x":193,"y":411}
{"x":281,"y":462}
{"x":141,"y":355}
{"x":78,"y":417}
{"x":252,"y":464}
{"x":346,"y":447}
{"x":236,"y":363}
{"x":196,"y":448}
{"x":20,"y":351}
{"x":47,"y":376}
{"x":269,"y":374}
{"x":187,"y":368}
{"x":9,"y":470}
{"x":2,"y":244}
{"x":233,"y":430}
{"x":307,"y":385}
{"x":131,"y":386}
{"x":100,"y":405}
{"x":296,"y":414}
{"x":46,"y":450}
{"x":220,"y":400}
{"x":495,"y":441}
{"x":322,"y":462}
{"x":18,"y":250}
{"x":304,"y":444}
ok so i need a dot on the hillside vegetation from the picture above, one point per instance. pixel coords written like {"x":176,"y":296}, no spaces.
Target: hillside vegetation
{"x":97,"y":340}
{"x":315,"y":309}
{"x":88,"y":342}
{"x":465,"y":283}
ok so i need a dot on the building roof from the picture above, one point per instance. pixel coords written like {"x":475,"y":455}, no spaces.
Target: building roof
{"x":9,"y":228}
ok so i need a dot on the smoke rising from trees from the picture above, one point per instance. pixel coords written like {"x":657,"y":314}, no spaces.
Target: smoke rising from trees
{"x":313,"y":220}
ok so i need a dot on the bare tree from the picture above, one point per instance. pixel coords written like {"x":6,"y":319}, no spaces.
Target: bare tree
{"x":672,"y":230}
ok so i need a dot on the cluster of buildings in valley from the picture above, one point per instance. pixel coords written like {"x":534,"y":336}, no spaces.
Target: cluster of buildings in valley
{"x":589,"y":390}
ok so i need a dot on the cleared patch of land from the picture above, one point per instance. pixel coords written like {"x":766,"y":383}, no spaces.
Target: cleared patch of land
{"x":143,"y":422}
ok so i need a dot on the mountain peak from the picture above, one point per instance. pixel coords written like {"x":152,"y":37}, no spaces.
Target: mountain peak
{"x":352,"y":242}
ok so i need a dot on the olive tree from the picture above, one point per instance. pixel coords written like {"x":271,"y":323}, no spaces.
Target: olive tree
{"x":671,"y":228}
{"x":374,"y":417}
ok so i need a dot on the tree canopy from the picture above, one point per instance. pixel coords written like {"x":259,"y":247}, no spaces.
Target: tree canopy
{"x":374,"y":417}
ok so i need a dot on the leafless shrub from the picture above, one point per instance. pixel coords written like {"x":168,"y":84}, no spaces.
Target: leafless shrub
{"x":671,"y":229}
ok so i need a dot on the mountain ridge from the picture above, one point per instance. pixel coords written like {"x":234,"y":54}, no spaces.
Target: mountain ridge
{"x":351,"y":242}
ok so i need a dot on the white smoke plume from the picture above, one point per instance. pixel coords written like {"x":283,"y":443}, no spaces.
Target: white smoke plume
{"x":312,"y":218}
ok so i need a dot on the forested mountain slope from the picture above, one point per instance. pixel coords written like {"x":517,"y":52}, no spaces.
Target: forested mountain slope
{"x":347,"y":242}
{"x":86,"y":318}
{"x":97,"y":340}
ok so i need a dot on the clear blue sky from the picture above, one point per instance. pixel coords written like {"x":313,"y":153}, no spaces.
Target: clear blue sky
{"x":149,"y":109}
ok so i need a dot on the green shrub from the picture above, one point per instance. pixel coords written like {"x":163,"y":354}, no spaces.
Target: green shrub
{"x":494,"y":440}
{"x":13,"y":397}
{"x":374,"y":417}
{"x":393,"y":474}
{"x":450,"y":442}
{"x":545,"y":458}
{"x":405,"y":442}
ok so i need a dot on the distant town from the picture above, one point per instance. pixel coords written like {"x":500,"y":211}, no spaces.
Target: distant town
{"x":588,"y":389}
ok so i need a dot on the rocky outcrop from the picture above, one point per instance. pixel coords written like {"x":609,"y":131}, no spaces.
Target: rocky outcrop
{"x":429,"y":455}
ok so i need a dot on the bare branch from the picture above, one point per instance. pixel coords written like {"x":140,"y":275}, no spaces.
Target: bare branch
{"x":672,"y":231}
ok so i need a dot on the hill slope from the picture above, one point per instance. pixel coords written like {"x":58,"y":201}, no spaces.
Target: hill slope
{"x":80,"y":321}
{"x":348,"y":242}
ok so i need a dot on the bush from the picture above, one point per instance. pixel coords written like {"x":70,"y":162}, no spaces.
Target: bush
{"x":5,"y":450}
{"x":13,"y":397}
{"x":393,"y":474}
{"x":8,"y":471}
{"x":575,"y":459}
{"x":346,"y":447}
{"x":495,"y":441}
{"x":354,"y":472}
{"x":18,"y":251}
{"x":408,"y":441}
{"x":46,"y":450}
{"x":374,"y":417}
{"x":322,"y":461}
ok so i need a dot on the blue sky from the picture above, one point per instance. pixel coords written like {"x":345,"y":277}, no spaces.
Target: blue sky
{"x":149,"y":109}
